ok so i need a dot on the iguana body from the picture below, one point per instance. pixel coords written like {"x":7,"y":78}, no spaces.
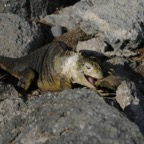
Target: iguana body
{"x":53,"y":68}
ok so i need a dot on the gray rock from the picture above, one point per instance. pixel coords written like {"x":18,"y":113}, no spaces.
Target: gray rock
{"x":98,"y":46}
{"x":64,"y":19}
{"x":73,"y":116}
{"x":132,"y":102}
{"x":11,"y":107}
{"x":120,"y":53}
{"x":126,"y":94}
{"x":121,"y":22}
{"x":93,"y":45}
{"x":18,"y":36}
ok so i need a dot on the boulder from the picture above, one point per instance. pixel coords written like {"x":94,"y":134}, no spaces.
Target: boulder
{"x":71,"y":116}
{"x":18,"y":36}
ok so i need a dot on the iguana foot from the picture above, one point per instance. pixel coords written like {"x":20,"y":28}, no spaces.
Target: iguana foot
{"x":25,"y":78}
{"x":106,"y":93}
{"x":108,"y":85}
{"x":35,"y":93}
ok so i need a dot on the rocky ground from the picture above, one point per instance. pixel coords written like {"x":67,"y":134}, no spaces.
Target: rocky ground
{"x":111,"y":30}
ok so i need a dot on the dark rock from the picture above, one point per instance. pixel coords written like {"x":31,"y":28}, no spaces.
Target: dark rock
{"x":72,"y":116}
{"x":19,"y":7}
{"x":45,"y":7}
{"x":18,"y":36}
{"x":122,"y":68}
{"x":33,"y":8}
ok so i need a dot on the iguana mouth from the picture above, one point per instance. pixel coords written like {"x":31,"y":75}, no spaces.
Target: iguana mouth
{"x":90,"y":79}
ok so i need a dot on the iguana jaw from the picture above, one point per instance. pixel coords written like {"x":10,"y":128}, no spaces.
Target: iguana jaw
{"x":90,"y":79}
{"x":84,"y":80}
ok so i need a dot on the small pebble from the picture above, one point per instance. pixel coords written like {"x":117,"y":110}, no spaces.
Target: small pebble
{"x":57,"y":31}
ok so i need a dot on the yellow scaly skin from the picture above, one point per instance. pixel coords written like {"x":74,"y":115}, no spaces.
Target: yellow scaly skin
{"x":52,"y":68}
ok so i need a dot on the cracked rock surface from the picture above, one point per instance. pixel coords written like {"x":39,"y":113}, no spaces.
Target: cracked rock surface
{"x":76,"y":116}
{"x":17,"y":36}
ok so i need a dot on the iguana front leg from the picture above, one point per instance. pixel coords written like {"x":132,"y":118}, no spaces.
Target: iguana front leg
{"x":64,"y":83}
{"x":25,"y":77}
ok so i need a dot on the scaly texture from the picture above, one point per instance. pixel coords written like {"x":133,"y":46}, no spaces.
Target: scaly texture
{"x":53,"y":67}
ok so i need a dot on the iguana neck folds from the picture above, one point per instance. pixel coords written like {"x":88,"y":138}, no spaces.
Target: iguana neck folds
{"x":69,"y":65}
{"x":75,"y":70}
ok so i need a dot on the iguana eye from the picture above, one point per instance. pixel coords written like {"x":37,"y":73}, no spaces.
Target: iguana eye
{"x":88,"y":66}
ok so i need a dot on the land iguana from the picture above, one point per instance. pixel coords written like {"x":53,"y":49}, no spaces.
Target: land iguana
{"x":53,"y":67}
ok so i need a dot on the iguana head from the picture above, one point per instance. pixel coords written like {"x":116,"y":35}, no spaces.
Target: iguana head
{"x":87,"y":72}
{"x":83,"y":71}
